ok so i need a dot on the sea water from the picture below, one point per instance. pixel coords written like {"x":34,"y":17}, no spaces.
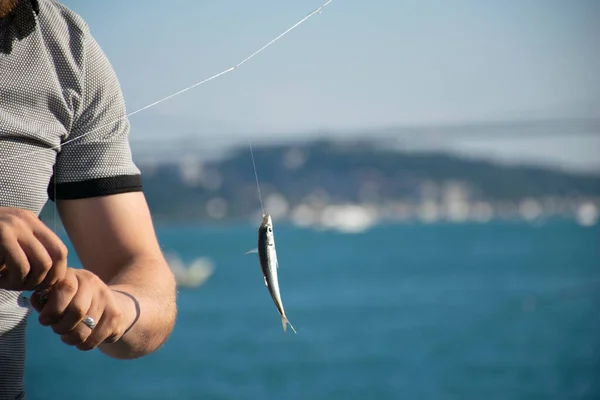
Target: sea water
{"x":491,"y":311}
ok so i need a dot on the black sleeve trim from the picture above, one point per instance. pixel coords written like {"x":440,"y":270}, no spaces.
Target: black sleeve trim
{"x":95,"y":187}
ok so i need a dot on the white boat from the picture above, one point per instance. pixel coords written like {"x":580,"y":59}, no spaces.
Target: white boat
{"x":192,"y":275}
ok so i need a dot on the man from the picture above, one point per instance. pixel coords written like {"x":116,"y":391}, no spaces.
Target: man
{"x":64,"y":135}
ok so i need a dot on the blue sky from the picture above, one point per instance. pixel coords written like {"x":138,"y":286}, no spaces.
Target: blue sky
{"x":359,"y":65}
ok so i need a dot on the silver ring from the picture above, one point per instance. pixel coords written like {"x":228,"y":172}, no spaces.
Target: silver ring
{"x":89,"y":321}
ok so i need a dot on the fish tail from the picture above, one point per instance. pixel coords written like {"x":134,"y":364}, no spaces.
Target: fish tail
{"x":285,"y":322}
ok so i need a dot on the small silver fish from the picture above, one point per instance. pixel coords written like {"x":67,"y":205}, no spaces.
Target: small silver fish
{"x":268,"y":263}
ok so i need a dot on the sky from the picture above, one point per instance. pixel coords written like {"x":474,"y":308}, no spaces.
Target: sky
{"x":359,"y":65}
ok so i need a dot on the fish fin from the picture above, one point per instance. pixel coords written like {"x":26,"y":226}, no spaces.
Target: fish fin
{"x":285,"y":322}
{"x":266,"y":284}
{"x":251,"y":251}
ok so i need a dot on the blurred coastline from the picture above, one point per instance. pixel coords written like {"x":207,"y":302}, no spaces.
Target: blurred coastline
{"x":353,"y":184}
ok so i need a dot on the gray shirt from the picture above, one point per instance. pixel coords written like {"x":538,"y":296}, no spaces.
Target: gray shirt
{"x":63,"y":135}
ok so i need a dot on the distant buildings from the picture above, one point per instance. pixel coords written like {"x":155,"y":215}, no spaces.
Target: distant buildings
{"x":351,"y":188}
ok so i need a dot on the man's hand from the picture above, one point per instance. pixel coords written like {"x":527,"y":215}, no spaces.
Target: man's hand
{"x":81,"y":293}
{"x":32,"y":257}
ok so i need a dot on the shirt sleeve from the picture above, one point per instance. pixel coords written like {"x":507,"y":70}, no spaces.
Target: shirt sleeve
{"x":95,"y":158}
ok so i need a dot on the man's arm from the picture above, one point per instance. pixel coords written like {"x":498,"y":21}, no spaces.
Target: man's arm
{"x":98,"y":191}
{"x":114,"y":238}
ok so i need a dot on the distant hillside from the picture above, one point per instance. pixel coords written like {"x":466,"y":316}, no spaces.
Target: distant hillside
{"x":355,"y":172}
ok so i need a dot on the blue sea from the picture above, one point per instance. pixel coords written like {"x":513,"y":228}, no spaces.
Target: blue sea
{"x":494,"y":311}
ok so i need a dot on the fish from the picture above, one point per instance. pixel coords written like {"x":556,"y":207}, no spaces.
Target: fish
{"x":267,"y":256}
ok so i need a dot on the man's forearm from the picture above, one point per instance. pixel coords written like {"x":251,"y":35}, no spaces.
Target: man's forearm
{"x":149,"y":307}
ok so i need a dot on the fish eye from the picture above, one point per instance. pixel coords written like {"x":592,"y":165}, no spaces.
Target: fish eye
{"x":270,"y":230}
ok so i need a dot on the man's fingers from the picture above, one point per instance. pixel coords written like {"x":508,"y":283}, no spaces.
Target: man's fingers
{"x":59,"y":298}
{"x":17,"y":265}
{"x":39,"y":261}
{"x":32,"y":257}
{"x":77,"y":336}
{"x":55,"y":247}
{"x":96,"y":336}
{"x":107,"y":330}
{"x":56,"y":273}
{"x":81,"y":332}
{"x":75,"y":312}
{"x":80,"y":294}
{"x":57,"y":252}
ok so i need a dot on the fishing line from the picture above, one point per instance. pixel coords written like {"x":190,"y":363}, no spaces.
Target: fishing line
{"x":55,"y":202}
{"x":256,"y":176}
{"x":316,"y":11}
